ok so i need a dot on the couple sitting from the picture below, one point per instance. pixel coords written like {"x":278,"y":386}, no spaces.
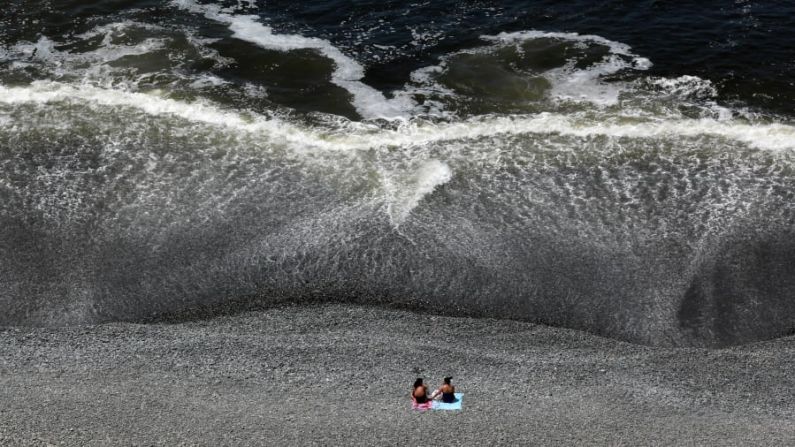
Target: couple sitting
{"x":446,"y":391}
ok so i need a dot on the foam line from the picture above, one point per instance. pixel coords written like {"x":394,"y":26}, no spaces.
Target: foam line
{"x":360,"y":136}
{"x":46,"y":92}
{"x":615,"y":47}
{"x":369,"y":102}
{"x":762,"y":136}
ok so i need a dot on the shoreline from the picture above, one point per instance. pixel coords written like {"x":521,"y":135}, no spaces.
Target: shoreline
{"x":340,"y":374}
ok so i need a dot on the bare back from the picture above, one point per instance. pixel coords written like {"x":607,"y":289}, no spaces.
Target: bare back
{"x":420,"y":391}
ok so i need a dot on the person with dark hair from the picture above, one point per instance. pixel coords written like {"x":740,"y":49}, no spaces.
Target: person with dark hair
{"x":447,"y":391}
{"x":420,"y":393}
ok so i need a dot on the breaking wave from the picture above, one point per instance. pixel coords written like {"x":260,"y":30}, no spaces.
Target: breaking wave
{"x":536,"y":175}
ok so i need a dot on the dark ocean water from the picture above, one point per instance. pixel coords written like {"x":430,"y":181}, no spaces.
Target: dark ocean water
{"x":746,"y":48}
{"x":620,"y":167}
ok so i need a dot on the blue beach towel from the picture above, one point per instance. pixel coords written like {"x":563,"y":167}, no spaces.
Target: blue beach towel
{"x":439,"y":405}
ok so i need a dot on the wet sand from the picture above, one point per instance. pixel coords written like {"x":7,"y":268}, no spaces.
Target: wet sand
{"x":341,"y":374}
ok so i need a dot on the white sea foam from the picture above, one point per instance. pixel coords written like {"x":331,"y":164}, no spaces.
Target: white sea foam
{"x":686,"y":87}
{"x":362,"y":136}
{"x":87,"y":65}
{"x":423,"y":83}
{"x":369,"y":102}
{"x":44,"y":50}
{"x":207,"y":81}
{"x":250,"y":4}
{"x":118,"y":29}
{"x":763,"y":136}
{"x":585,"y":85}
{"x":100,"y":60}
{"x":519,"y":36}
{"x":403,"y":197}
{"x":569,"y":83}
{"x":255,"y":91}
{"x":45,"y":92}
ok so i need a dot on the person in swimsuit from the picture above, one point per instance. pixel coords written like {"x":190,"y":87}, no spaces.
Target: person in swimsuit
{"x":447,"y":391}
{"x":420,"y":393}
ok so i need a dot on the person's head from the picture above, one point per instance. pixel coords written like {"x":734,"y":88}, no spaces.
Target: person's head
{"x":418,"y":382}
{"x":447,"y":380}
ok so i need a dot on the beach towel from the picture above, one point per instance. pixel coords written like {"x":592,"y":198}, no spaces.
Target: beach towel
{"x":439,"y":405}
{"x":422,"y":407}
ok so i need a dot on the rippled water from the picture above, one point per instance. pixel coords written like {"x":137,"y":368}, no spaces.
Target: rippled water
{"x":623,"y":170}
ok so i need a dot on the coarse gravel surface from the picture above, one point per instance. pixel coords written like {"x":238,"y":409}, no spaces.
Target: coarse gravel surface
{"x":341,"y":375}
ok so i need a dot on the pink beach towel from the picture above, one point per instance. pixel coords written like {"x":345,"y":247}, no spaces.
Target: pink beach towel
{"x":422,"y":407}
